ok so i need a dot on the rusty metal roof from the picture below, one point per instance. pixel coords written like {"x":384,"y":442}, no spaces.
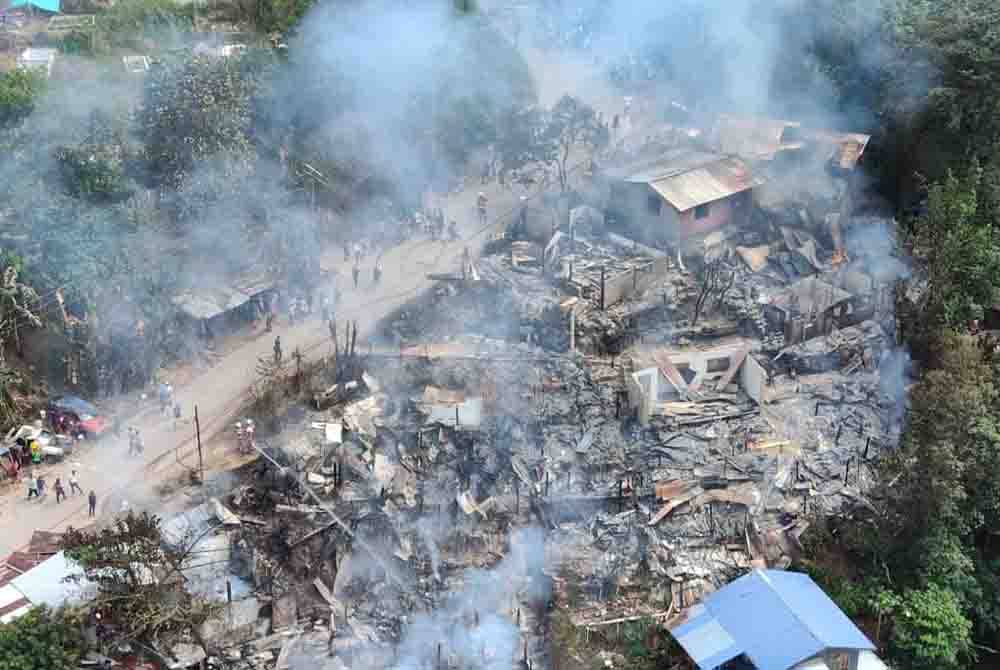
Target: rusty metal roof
{"x":844,"y":149}
{"x":718,"y":180}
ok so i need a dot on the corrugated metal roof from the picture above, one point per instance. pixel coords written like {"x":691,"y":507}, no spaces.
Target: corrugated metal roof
{"x":776,"y":618}
{"x":845,"y":149}
{"x":706,"y":641}
{"x":760,"y":139}
{"x":206,"y":304}
{"x":53,"y":6}
{"x":666,"y":164}
{"x":49,"y":582}
{"x":12,"y":603}
{"x":718,"y":180}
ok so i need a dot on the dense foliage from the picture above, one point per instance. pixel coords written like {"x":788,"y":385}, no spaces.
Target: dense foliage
{"x":42,"y":639}
{"x":19,"y":90}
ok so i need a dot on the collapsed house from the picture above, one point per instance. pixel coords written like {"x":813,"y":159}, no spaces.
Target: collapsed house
{"x":810,"y":308}
{"x":775,"y":140}
{"x":678,"y":377}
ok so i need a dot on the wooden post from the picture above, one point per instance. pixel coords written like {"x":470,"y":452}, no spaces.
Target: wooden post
{"x":572,"y":329}
{"x":197,"y":433}
{"x":603,"y":276}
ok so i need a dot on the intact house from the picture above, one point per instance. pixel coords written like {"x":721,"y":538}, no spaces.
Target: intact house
{"x":678,"y":377}
{"x":773,"y":620}
{"x":681,"y":196}
{"x":223,"y":305}
{"x":810,"y":308}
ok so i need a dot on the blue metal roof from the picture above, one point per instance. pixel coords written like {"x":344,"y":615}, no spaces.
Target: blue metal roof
{"x":45,"y":5}
{"x":775,"y":618}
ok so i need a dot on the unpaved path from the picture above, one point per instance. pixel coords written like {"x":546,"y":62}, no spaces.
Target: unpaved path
{"x":220,"y":390}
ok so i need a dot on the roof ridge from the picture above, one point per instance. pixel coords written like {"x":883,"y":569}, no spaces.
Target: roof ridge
{"x":791,"y":610}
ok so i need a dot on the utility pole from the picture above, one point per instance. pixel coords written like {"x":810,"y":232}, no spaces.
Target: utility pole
{"x":197,"y":432}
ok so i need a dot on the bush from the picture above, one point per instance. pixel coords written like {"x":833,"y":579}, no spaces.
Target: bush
{"x":43,"y":639}
{"x":18,"y":91}
{"x":930,"y":630}
{"x":129,"y":21}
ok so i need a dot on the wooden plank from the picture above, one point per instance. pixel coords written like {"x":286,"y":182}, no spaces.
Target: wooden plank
{"x":735,"y":362}
{"x":670,"y":507}
{"x":324,"y":592}
{"x":670,"y":371}
{"x":286,"y":650}
{"x":671,"y":488}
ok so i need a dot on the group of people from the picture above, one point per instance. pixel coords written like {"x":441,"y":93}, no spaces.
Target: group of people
{"x":37,"y":489}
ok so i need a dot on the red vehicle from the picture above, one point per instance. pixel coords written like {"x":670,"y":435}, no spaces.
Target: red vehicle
{"x":72,"y":415}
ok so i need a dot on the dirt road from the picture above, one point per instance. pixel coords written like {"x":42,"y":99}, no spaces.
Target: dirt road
{"x":219,"y":391}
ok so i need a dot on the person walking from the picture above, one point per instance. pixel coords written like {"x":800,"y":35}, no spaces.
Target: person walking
{"x":377,"y":272}
{"x":177,"y":414}
{"x":32,"y":487}
{"x":277,"y":349}
{"x":164,"y":396}
{"x":481,"y":202}
{"x":325,"y":307}
{"x":293,"y":308}
{"x":60,"y":491}
{"x":92,"y":503}
{"x":356,"y":273}
{"x":41,"y":486}
{"x":74,"y":483}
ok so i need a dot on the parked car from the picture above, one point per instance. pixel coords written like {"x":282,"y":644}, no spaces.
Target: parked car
{"x":18,"y":440}
{"x":77,"y":416}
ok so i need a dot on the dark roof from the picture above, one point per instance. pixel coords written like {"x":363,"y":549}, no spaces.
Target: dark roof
{"x":811,"y":293}
{"x":75,"y":404}
{"x":777,"y":619}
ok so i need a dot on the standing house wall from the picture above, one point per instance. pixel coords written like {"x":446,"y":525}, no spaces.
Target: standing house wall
{"x":753,"y":379}
{"x":629,"y":283}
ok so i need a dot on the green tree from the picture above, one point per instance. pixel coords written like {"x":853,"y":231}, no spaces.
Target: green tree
{"x":930,"y":630}
{"x":127,"y":23}
{"x":573,"y":126}
{"x":42,"y":639}
{"x":95,"y":168}
{"x":140,"y":585}
{"x":521,"y":139}
{"x":18,"y":91}
{"x":961,"y":250}
{"x":194,"y":110}
{"x":952,"y":46}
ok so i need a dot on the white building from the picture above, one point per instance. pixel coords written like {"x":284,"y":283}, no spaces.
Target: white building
{"x":37,"y":59}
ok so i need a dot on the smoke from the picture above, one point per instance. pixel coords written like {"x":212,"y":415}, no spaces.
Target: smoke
{"x":428,"y":530}
{"x":398,"y":91}
{"x":895,"y":374}
{"x":476,"y":624}
{"x":735,"y":56}
{"x":874,"y":245}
